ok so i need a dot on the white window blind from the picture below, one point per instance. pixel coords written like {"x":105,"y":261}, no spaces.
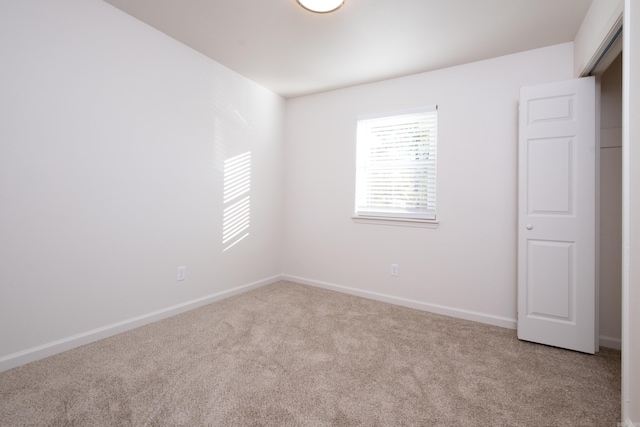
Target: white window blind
{"x":396,"y":165}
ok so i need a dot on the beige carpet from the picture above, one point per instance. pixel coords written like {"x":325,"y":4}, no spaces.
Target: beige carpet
{"x":292,"y":355}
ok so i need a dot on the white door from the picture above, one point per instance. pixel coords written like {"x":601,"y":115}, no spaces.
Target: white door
{"x":556,"y":215}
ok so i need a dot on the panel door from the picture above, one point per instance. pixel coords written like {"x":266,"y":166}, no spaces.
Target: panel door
{"x":556,"y":215}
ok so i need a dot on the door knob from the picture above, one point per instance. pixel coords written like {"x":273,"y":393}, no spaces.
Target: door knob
{"x":529,"y":227}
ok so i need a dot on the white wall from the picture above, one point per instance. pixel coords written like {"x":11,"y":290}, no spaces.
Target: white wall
{"x":465,"y":267}
{"x":631,"y":215}
{"x":602,"y":19}
{"x":610,"y":272}
{"x":112,"y":141}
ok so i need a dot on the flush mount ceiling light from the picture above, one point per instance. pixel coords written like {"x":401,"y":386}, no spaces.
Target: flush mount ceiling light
{"x":321,"y":6}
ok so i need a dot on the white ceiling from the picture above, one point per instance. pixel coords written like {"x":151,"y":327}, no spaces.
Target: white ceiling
{"x":293,"y":52}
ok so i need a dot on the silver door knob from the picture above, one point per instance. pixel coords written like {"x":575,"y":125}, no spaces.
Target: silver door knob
{"x":529,"y":227}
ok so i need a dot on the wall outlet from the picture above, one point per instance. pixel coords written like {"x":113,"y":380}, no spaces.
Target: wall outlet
{"x":182,"y":273}
{"x":394,"y":269}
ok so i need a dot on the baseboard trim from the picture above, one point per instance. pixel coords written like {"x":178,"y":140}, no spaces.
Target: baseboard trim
{"x":474,"y":316}
{"x":40,"y":352}
{"x":610,"y":342}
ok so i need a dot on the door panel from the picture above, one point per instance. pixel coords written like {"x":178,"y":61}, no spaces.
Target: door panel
{"x":550,"y":180}
{"x":556,"y":215}
{"x":551,"y":282}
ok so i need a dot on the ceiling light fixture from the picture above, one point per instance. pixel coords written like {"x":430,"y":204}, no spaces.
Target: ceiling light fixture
{"x":321,"y":6}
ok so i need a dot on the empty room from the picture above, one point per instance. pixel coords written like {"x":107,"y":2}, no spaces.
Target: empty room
{"x":320,"y":212}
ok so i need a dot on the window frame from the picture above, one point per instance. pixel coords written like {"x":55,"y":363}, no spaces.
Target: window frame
{"x":425,"y":214}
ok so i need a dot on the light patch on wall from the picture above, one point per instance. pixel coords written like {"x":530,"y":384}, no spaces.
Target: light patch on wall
{"x":236,"y":200}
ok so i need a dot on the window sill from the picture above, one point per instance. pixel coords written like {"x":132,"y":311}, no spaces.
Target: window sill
{"x":400,"y":222}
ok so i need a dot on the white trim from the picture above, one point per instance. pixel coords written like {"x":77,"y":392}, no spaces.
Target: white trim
{"x":474,"y":316}
{"x":609,"y":49}
{"x":629,"y":60}
{"x":40,"y":352}
{"x":610,"y":342}
{"x":402,"y":222}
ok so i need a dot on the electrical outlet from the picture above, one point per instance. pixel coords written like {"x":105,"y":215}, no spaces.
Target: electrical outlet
{"x":394,"y":269}
{"x":182,"y":273}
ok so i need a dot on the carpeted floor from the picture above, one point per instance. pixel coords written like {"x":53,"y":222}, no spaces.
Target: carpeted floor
{"x":292,"y":355}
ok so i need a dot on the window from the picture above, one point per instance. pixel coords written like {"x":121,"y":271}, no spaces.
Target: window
{"x":396,"y":165}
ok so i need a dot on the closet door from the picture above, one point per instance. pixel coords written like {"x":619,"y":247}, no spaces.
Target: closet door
{"x":556,"y":215}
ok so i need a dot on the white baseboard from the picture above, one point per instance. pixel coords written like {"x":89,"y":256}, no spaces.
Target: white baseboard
{"x":40,"y":352}
{"x":474,"y":316}
{"x":610,"y":342}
